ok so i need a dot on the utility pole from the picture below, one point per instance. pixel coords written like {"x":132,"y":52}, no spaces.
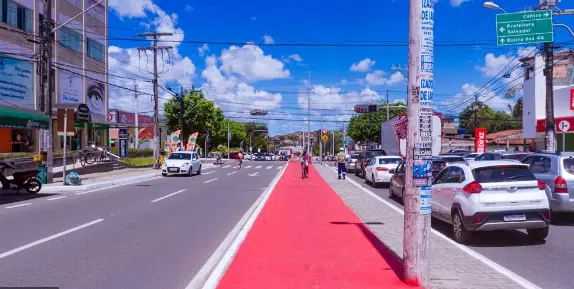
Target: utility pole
{"x":387,"y":104}
{"x":45,"y":64}
{"x":417,"y":198}
{"x":228,"y":137}
{"x":309,"y":113}
{"x":321,"y":141}
{"x":475,"y":111}
{"x":137,"y":138}
{"x":206,"y":141}
{"x":154,"y":49}
{"x":182,"y":134}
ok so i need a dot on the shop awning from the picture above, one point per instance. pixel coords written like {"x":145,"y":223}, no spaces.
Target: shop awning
{"x":22,"y":118}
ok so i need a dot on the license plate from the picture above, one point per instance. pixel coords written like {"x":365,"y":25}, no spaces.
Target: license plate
{"x":173,"y":169}
{"x":514,"y":217}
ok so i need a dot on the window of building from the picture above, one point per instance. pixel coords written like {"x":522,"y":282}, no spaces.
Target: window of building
{"x":70,"y":39}
{"x":16,"y":15}
{"x":95,"y":50}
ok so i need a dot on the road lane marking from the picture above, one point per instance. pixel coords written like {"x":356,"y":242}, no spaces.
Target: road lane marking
{"x":226,"y":166}
{"x":248,"y":167}
{"x":56,"y":198}
{"x":232,"y":173}
{"x":207,"y":173}
{"x":212,"y":271}
{"x":167,"y":196}
{"x":30,"y":245}
{"x":210,"y":181}
{"x":253,"y":174}
{"x":279,"y":167}
{"x":269,"y":167}
{"x":258,"y":167}
{"x":495,"y":266}
{"x":16,"y":206}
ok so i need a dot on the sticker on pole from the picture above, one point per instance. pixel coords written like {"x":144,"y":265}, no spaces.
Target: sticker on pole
{"x":564,"y":126}
{"x":426,"y":200}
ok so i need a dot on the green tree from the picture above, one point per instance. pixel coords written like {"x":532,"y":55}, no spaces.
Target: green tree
{"x":238,"y":133}
{"x":493,"y":121}
{"x":367,"y":126}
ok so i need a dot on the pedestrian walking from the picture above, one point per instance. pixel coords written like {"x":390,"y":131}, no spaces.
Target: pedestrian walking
{"x":240,"y":156}
{"x":341,"y":159}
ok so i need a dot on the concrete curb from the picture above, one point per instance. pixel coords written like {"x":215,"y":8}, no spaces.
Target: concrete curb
{"x":99,"y":185}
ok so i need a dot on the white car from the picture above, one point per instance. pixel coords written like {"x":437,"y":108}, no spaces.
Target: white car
{"x":488,"y":196}
{"x":471,"y":156}
{"x":181,"y":163}
{"x":380,"y":169}
{"x":350,"y":163}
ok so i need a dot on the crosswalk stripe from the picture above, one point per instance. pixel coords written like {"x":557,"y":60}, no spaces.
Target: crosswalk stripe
{"x":269,"y":167}
{"x":226,"y":166}
{"x":248,"y":167}
{"x":258,"y":167}
{"x":279,"y":167}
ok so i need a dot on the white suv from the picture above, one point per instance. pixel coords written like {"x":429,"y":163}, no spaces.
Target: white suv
{"x":488,"y":196}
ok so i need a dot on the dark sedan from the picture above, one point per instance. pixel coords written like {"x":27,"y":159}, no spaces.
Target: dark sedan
{"x":397,"y":184}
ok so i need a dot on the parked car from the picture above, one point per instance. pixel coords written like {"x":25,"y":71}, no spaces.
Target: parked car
{"x":233,"y":156}
{"x":449,"y":159}
{"x":397,"y":183}
{"x":557,"y":172}
{"x":258,"y":156}
{"x":181,"y":163}
{"x":506,"y":155}
{"x":488,"y":196}
{"x":380,"y":169}
{"x":471,"y":157}
{"x":364,"y":156}
{"x":350,"y":163}
{"x":457,"y":152}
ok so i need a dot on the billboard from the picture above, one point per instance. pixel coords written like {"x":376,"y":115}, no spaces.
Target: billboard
{"x":480,"y":140}
{"x":70,"y":88}
{"x":96,"y":97}
{"x":16,"y":83}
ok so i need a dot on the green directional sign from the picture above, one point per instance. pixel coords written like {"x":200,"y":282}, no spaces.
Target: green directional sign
{"x":524,"y":27}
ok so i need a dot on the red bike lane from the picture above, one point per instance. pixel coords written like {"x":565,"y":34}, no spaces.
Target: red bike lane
{"x":306,"y":237}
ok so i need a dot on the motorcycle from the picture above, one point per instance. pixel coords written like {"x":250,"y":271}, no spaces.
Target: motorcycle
{"x":22,"y":180}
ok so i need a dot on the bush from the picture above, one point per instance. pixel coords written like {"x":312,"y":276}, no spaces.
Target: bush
{"x":5,"y":156}
{"x":135,"y":153}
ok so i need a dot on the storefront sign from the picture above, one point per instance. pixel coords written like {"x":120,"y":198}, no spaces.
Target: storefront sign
{"x":113,"y":116}
{"x":82,"y":114}
{"x":129,"y":118}
{"x":70,"y":88}
{"x":123,"y":133}
{"x":17,"y":82}
{"x":123,"y":148}
{"x":480,"y":140}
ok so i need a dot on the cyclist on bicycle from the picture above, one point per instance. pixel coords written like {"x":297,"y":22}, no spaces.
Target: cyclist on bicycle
{"x":305,"y":163}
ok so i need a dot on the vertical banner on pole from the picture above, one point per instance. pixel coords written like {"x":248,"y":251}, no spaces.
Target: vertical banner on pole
{"x":123,"y":145}
{"x":480,"y":140}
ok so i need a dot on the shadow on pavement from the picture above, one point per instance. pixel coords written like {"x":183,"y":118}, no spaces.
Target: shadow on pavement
{"x":394,"y":261}
{"x":562,"y":220}
{"x":22,"y":196}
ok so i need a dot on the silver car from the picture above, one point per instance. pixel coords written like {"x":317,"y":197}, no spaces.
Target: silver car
{"x":350,"y":163}
{"x":557,"y":171}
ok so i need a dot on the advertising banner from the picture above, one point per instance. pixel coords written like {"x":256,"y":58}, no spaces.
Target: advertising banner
{"x":174,"y":140}
{"x":70,"y":88}
{"x":129,"y":119}
{"x":480,"y":140}
{"x":191,"y":141}
{"x":96,"y":97}
{"x":16,"y":82}
{"x":571,"y":98}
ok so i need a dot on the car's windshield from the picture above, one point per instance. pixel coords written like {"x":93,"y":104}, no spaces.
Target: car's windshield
{"x":568,"y":165}
{"x":354,"y":156}
{"x":470,"y":156}
{"x":438,"y":165}
{"x":390,"y":161}
{"x":513,"y":156}
{"x":179,"y":156}
{"x":503,"y":173}
{"x":372,"y":154}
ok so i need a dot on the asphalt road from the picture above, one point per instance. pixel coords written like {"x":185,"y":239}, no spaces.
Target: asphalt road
{"x":152,"y":234}
{"x":548,"y":265}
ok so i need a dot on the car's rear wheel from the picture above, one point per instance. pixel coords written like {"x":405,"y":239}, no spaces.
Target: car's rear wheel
{"x":459,"y":232}
{"x":199,"y":170}
{"x":164,"y":174}
{"x":373,"y":182}
{"x":538,"y":234}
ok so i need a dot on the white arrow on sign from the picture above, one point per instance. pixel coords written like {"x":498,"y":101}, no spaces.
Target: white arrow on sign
{"x":502,"y":40}
{"x":501,"y":29}
{"x":564,"y":126}
{"x":546,"y":14}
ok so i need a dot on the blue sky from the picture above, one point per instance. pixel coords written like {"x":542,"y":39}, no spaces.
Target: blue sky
{"x":240,"y":77}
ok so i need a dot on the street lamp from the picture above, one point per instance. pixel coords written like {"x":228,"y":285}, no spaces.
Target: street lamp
{"x":492,"y":5}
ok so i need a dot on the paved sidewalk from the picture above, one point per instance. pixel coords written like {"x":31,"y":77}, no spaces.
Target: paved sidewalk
{"x":451,"y":267}
{"x":306,"y":237}
{"x":102,"y":180}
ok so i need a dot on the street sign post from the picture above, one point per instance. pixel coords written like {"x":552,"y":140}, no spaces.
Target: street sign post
{"x":325,"y":138}
{"x":325,"y":131}
{"x":524,"y":27}
{"x":564,"y":126}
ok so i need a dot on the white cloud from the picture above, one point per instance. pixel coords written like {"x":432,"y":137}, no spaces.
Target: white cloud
{"x":465,"y":97}
{"x":376,"y":78}
{"x":201,"y":50}
{"x":363,"y":65}
{"x":268,"y":39}
{"x":188,"y":8}
{"x":506,"y":66}
{"x":456,"y":3}
{"x":251,"y":64}
{"x":131,"y":8}
{"x":344,"y":81}
{"x":395,"y":78}
{"x":294,"y":57}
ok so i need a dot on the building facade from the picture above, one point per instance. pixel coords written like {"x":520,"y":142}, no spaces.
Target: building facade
{"x":79,"y":68}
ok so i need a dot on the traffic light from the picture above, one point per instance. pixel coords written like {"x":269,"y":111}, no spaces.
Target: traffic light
{"x":366,"y":108}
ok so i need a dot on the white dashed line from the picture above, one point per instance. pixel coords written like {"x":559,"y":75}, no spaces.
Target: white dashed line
{"x":20,"y":205}
{"x":258,"y":167}
{"x":210,"y":181}
{"x":14,"y":251}
{"x":208,"y":173}
{"x":227,"y":166}
{"x":248,"y":167}
{"x":232,"y":173}
{"x":56,"y":198}
{"x":167,"y":196}
{"x":279,"y":167}
{"x":253,"y":174}
{"x":269,"y":167}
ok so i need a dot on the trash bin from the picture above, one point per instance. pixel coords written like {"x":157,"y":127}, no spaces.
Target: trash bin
{"x":42,"y":175}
